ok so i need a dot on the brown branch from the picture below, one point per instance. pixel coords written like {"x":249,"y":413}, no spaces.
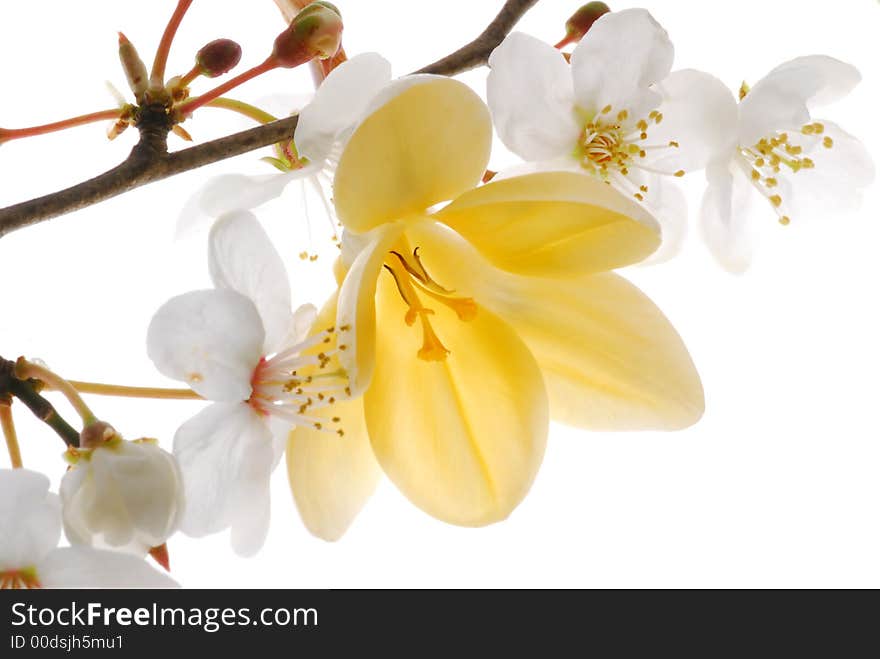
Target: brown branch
{"x":146,"y":163}
{"x":27,"y":391}
{"x":150,"y":161}
{"x":477,"y":52}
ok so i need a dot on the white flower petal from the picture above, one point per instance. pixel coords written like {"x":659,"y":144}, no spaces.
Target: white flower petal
{"x":564,"y":164}
{"x":531,"y":97}
{"x":242,"y":258}
{"x":339,"y":104}
{"x":356,"y":309}
{"x":833,"y":187}
{"x":784,"y":97}
{"x":126,"y":496}
{"x":236,"y":192}
{"x":251,"y":521}
{"x":84,"y":567}
{"x":30,"y":518}
{"x":229,"y":193}
{"x":212,"y":340}
{"x":725,"y":217}
{"x":226,"y":456}
{"x":700,"y":115}
{"x":351,"y":244}
{"x":622,"y":55}
{"x":301,"y":324}
{"x":667,"y":203}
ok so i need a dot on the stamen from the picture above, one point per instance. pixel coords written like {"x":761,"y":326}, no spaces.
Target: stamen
{"x":772,"y":155}
{"x":605,"y":147}
{"x":412,"y":278}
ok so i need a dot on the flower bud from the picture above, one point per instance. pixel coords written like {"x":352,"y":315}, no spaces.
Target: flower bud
{"x":315,"y":32}
{"x":582,"y":20}
{"x":218,"y":57}
{"x":121,"y":495}
{"x":134,"y":67}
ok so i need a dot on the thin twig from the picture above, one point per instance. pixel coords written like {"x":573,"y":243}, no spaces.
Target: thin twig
{"x":8,"y":426}
{"x":149,"y":161}
{"x":140,"y":168}
{"x":477,"y":52}
{"x":26,"y":392}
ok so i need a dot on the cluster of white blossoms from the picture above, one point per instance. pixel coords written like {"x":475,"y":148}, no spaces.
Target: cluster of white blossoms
{"x":471,"y":308}
{"x":114,"y":507}
{"x":618,"y":112}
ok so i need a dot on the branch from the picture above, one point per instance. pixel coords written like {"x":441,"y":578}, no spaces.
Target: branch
{"x":150,"y":161}
{"x":26,"y":392}
{"x":477,"y":52}
{"x":145,"y":164}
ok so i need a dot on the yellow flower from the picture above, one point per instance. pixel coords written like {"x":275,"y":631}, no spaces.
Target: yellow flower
{"x":467,"y":328}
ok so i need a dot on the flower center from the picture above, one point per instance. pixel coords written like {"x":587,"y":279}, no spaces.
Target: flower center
{"x":610,"y":146}
{"x":295,"y":383}
{"x":25,"y":579}
{"x":412,"y":278}
{"x":778,"y":154}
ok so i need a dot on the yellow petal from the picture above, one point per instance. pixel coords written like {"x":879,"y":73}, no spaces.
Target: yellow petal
{"x":356,"y":315}
{"x":555,"y":224}
{"x":427,"y":145}
{"x":462,"y":438}
{"x":332,"y":477}
{"x":610,"y":358}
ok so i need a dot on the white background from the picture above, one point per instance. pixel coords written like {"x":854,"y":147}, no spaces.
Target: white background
{"x":777,"y":485}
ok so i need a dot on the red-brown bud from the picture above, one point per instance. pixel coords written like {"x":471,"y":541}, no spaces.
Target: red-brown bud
{"x":315,"y":32}
{"x":218,"y":57}
{"x":582,"y":20}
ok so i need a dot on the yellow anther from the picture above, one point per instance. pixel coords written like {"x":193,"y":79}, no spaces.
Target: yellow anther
{"x":679,"y":173}
{"x":432,"y":350}
{"x":785,"y":220}
{"x":776,"y":200}
{"x":606,"y":109}
{"x":622,"y":115}
{"x":771,"y":182}
{"x":827,"y":142}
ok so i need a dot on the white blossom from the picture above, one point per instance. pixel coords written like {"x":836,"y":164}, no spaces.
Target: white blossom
{"x":803,"y":167}
{"x":122,"y":495}
{"x":30,"y":528}
{"x":240,"y":346}
{"x":615,"y":113}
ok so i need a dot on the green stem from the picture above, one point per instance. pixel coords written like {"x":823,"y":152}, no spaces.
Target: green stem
{"x":25,"y":370}
{"x":246,"y":109}
{"x":41,"y":408}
